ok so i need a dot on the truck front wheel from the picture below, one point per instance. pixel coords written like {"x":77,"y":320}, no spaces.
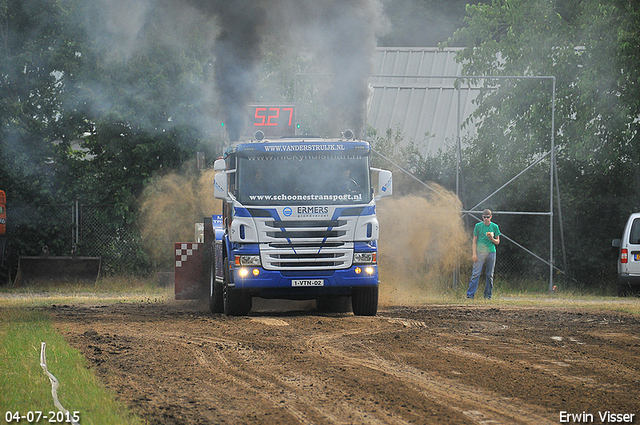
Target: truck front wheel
{"x":236,"y":303}
{"x":364,"y":301}
{"x":216,"y":302}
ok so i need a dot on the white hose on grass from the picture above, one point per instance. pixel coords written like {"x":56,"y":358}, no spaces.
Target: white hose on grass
{"x":54,"y":382}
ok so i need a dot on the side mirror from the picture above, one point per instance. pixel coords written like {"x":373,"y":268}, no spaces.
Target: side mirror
{"x":220,"y":186}
{"x":219,"y":165}
{"x":385,"y":183}
{"x":616,"y":243}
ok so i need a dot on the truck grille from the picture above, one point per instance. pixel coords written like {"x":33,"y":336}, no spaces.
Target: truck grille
{"x":305,"y":245}
{"x":324,"y":234}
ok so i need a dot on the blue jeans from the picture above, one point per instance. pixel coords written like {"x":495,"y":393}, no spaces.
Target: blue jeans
{"x":488,"y":259}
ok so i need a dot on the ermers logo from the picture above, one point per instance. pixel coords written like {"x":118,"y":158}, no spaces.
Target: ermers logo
{"x":287,"y":211}
{"x":313,"y":210}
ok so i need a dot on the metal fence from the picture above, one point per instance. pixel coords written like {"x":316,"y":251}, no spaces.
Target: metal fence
{"x":97,"y":230}
{"x":76,"y":229}
{"x":108,"y":235}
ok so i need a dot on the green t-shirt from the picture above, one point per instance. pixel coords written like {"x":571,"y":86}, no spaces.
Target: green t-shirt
{"x":484,"y":243}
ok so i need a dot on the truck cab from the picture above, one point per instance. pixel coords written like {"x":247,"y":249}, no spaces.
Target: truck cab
{"x":299,"y":222}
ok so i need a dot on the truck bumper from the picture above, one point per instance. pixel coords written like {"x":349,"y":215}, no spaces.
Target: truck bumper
{"x":301,"y":285}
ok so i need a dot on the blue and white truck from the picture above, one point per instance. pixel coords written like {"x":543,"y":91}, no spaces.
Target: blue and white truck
{"x":299,"y":222}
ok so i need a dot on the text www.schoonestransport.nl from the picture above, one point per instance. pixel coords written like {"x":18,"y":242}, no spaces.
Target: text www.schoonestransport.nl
{"x":283,"y":197}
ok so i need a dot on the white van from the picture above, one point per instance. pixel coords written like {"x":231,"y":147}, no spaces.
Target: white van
{"x":629,"y":257}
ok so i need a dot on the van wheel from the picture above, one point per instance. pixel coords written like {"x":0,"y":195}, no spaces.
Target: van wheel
{"x":365,"y":301}
{"x":624,"y":289}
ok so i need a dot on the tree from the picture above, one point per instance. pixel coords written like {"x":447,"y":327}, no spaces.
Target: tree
{"x":149,"y":104}
{"x":591,"y":47}
{"x":39,"y":48}
{"x":83,"y":120}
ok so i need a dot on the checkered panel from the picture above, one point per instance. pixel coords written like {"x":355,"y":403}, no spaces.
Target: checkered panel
{"x":189,"y":270}
{"x":184,"y":251}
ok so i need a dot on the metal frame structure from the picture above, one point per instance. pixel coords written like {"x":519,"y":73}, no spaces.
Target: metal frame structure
{"x":552,"y":168}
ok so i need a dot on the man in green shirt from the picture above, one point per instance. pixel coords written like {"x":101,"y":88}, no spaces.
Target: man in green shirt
{"x":486,"y":235}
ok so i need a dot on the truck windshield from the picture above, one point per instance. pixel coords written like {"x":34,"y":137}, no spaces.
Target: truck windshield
{"x":276,"y":179}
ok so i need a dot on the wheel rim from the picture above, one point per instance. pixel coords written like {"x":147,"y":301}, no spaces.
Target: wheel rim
{"x":212,"y":278}
{"x":225,"y":285}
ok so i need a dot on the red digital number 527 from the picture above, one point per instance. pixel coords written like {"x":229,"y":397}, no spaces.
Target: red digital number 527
{"x":270,"y":117}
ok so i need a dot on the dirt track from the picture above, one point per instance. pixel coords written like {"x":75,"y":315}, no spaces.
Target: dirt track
{"x":176,"y":363}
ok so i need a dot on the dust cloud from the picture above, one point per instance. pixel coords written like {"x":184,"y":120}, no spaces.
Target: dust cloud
{"x":170,"y":206}
{"x":421,"y":237}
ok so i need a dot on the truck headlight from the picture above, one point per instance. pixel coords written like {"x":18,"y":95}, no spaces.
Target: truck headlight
{"x":247,"y":260}
{"x":365,"y":257}
{"x":368,"y":270}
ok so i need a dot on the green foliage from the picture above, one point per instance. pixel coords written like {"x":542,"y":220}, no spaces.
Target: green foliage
{"x":38,"y":48}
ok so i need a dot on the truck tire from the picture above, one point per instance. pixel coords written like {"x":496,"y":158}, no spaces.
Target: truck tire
{"x":216,"y":303}
{"x":365,"y":301}
{"x":236,"y":303}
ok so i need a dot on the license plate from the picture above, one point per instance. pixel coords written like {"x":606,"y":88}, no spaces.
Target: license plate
{"x":636,"y":257}
{"x":307,"y":282}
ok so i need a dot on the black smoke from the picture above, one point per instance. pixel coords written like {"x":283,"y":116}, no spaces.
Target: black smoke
{"x":339,"y":35}
{"x":237,"y":53}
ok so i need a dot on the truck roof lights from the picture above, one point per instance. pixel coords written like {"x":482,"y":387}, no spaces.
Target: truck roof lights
{"x":347,"y":134}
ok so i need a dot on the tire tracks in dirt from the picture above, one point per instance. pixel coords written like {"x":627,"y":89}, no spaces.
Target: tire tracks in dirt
{"x":175,"y":364}
{"x":307,"y":407}
{"x":479,"y":406}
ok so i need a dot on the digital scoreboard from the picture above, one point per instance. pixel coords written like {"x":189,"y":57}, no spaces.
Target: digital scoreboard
{"x":272,"y":120}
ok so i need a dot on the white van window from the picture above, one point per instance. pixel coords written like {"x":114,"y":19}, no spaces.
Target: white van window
{"x":634,"y":237}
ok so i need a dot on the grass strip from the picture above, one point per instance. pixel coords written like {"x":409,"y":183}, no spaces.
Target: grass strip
{"x":25,"y":387}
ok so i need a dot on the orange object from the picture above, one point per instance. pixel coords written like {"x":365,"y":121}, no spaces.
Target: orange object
{"x":3,"y":213}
